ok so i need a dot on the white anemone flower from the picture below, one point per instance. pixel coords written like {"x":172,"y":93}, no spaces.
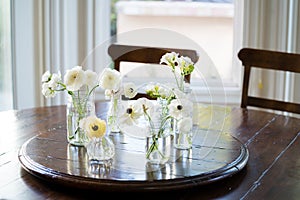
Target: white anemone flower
{"x":110,"y":79}
{"x":131,"y":114}
{"x":90,"y":78}
{"x":179,"y":108}
{"x":185,"y":125}
{"x":130,"y":90}
{"x":170,"y":59}
{"x":146,"y":105}
{"x":74,"y":78}
{"x":46,"y":77}
{"x":151,"y":114}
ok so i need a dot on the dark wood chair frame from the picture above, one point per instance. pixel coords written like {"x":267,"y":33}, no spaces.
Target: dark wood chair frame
{"x":272,"y":60}
{"x":145,"y":54}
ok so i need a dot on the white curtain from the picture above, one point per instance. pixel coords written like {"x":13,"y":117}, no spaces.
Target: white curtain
{"x":56,"y":35}
{"x":273,"y":25}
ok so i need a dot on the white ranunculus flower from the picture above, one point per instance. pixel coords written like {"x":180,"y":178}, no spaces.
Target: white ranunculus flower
{"x":165,"y":93}
{"x":46,"y":77}
{"x":91,"y":78}
{"x":185,"y":61}
{"x":55,"y":79}
{"x":130,"y":90}
{"x":110,"y":79}
{"x":179,"y":108}
{"x":47,"y":91}
{"x":93,"y":126}
{"x":108,"y":94}
{"x":185,"y":125}
{"x":74,"y":78}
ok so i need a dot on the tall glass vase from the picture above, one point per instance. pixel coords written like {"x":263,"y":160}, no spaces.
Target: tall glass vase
{"x":183,"y":134}
{"x":164,"y":110}
{"x":113,"y":114}
{"x":80,"y":105}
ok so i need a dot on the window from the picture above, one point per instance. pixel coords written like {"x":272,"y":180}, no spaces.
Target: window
{"x":6,"y":93}
{"x":207,"y":26}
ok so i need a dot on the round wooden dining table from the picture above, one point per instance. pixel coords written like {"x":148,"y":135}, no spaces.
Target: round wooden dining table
{"x":236,"y":154}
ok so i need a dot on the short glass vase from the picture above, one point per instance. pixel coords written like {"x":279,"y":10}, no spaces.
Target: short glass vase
{"x":100,"y":150}
{"x":158,"y":149}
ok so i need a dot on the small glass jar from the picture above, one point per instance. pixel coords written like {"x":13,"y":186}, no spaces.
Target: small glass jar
{"x":100,"y":150}
{"x":183,"y":140}
{"x":183,"y":131}
{"x":80,"y":105}
{"x":113,"y":114}
{"x":158,"y":149}
{"x":159,"y":141}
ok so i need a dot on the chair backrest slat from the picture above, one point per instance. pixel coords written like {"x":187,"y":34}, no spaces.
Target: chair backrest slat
{"x":272,"y":60}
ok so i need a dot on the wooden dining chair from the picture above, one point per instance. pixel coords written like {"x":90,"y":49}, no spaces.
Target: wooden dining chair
{"x":147,"y":55}
{"x":271,"y":60}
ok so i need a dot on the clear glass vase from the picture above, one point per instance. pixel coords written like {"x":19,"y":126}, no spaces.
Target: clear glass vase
{"x":80,"y":105}
{"x":164,"y":110}
{"x":158,"y":141}
{"x":158,"y":149}
{"x":183,"y":140}
{"x":113,"y":114}
{"x":183,"y":134}
{"x":100,"y":150}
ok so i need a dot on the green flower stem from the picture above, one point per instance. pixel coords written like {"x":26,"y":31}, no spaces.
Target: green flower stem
{"x":178,"y":82}
{"x":79,"y":102}
{"x":153,"y":147}
{"x":112,"y":117}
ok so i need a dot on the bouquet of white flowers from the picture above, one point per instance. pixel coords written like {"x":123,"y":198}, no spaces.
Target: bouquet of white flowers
{"x":181,"y":66}
{"x":79,"y":85}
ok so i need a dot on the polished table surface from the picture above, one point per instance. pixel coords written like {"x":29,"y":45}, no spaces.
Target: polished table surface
{"x":272,"y":171}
